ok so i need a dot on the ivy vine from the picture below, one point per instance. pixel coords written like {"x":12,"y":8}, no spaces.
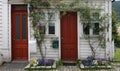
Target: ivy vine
{"x":37,"y":6}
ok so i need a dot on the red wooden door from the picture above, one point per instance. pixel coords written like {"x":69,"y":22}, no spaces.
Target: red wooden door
{"x":69,"y":36}
{"x":19,"y":35}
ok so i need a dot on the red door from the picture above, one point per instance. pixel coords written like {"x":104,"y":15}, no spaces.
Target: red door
{"x":19,"y":33}
{"x":69,"y":36}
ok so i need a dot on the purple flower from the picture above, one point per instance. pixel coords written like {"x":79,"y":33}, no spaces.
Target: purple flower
{"x":45,"y":62}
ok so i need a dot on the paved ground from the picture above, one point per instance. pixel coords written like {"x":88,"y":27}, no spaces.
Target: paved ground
{"x":13,"y":66}
{"x":19,"y":66}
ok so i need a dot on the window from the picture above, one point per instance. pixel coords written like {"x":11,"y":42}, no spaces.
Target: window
{"x":96,"y":29}
{"x":17,"y":20}
{"x":42,"y":28}
{"x":47,"y":22}
{"x":86,"y":29}
{"x":91,"y":29}
{"x":51,"y":28}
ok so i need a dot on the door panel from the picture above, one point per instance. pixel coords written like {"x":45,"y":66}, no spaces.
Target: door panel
{"x":19,"y":35}
{"x":69,"y":36}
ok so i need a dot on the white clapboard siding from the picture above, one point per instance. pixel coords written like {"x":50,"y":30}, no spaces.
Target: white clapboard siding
{"x":48,"y":52}
{"x":85,"y":51}
{"x":0,"y":23}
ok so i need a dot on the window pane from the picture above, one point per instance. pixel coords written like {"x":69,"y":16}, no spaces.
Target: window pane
{"x":96,"y":29}
{"x":24,"y":26}
{"x":20,"y":7}
{"x":51,"y":16}
{"x":86,"y":28}
{"x":17,"y":26}
{"x":42,"y":28}
{"x":51,"y":28}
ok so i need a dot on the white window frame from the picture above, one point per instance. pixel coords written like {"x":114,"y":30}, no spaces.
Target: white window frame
{"x":91,"y":29}
{"x":47,"y":21}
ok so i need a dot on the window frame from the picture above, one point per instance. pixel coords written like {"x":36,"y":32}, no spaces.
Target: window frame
{"x":93,"y":21}
{"x":91,"y":29}
{"x":46,"y":20}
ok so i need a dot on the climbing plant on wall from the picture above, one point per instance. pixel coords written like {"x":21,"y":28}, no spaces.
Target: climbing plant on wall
{"x":36,"y":9}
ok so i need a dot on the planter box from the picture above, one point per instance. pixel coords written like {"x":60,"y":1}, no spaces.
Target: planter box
{"x":35,"y":67}
{"x":95,"y":67}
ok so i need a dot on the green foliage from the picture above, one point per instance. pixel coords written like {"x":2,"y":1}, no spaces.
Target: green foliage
{"x":115,"y":25}
{"x":116,"y":7}
{"x":117,"y":55}
{"x":85,"y":15}
{"x":59,"y":63}
{"x":39,"y":3}
{"x":36,"y":16}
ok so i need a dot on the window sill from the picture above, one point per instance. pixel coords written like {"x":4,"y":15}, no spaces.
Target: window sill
{"x":51,"y":36}
{"x":89,"y":36}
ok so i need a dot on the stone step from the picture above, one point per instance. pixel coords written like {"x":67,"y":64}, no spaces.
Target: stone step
{"x":69,"y":63}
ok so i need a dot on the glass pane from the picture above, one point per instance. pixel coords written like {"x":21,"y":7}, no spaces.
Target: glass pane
{"x":51,"y":28}
{"x":96,"y":29}
{"x":17,"y":26}
{"x":86,"y":28}
{"x":20,"y":7}
{"x":42,"y":27}
{"x":24,"y":26}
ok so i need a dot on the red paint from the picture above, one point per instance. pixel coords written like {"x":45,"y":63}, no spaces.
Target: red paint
{"x":19,"y":46}
{"x":69,"y":36}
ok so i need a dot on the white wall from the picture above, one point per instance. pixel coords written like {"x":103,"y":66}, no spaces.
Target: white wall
{"x":1,"y":34}
{"x":4,"y":30}
{"x":83,"y":48}
{"x":50,"y":51}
